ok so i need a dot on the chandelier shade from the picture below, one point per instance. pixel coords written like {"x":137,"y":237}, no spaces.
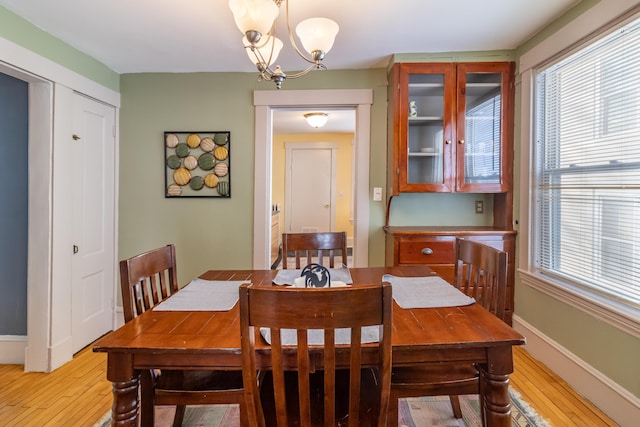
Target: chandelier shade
{"x":254,"y":15}
{"x":256,"y":20}
{"x":316,"y":120}
{"x":317,"y":34}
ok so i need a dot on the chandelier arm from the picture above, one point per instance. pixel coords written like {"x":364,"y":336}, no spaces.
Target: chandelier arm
{"x":307,"y":70}
{"x":265,"y":70}
{"x":293,"y":41}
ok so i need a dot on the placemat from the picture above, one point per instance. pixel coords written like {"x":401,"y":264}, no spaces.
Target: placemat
{"x":287,"y":277}
{"x":203,"y":295}
{"x":425,"y":292}
{"x":316,"y":336}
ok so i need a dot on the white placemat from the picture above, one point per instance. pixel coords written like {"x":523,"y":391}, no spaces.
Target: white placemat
{"x":316,"y":336}
{"x":288,"y":277}
{"x":425,"y":292}
{"x":203,"y":295}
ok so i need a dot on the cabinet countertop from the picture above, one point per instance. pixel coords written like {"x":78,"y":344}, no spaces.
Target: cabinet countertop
{"x":451,"y":230}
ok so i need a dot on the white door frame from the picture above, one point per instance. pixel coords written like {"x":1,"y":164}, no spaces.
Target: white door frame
{"x":265,"y":101}
{"x":289,"y":146}
{"x":48,"y":295}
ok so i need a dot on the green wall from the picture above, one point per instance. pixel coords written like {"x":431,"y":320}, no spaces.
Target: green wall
{"x":23,"y":33}
{"x":214,"y":233}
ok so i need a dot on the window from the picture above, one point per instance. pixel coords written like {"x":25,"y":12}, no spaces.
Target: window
{"x":587,"y":168}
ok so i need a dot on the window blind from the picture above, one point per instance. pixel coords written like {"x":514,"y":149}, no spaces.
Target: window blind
{"x":587,"y":160}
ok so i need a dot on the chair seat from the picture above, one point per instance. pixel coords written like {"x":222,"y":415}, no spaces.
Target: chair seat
{"x":440,"y":375}
{"x":192,"y":386}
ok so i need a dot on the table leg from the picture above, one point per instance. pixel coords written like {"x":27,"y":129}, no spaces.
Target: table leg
{"x":124,"y":411}
{"x":494,"y":388}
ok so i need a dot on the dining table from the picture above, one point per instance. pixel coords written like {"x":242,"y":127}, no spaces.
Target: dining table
{"x":206,"y":337}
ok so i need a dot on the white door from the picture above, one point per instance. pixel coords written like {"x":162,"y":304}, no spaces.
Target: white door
{"x":93,"y":220}
{"x":310,"y":187}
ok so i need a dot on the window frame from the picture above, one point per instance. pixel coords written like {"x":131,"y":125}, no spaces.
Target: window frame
{"x":589,"y":300}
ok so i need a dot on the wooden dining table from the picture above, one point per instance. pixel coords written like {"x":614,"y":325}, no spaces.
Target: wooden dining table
{"x":211,"y":340}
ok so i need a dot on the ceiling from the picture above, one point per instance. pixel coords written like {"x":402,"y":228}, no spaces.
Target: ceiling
{"x":201,"y":36}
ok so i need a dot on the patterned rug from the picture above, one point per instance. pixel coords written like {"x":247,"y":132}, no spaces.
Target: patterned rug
{"x":414,"y":412}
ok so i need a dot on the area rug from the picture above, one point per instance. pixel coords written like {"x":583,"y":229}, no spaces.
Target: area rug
{"x":414,"y":412}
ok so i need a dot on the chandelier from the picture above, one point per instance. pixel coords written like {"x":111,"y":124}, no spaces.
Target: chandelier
{"x":256,"y":20}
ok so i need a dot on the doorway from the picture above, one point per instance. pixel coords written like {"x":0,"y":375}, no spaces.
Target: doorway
{"x":265,"y":102}
{"x":48,"y":343}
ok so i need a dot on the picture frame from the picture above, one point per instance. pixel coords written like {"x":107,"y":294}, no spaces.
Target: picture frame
{"x":197,"y":164}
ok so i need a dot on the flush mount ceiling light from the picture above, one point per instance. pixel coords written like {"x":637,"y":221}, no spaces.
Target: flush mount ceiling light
{"x":256,"y":20}
{"x":316,"y":120}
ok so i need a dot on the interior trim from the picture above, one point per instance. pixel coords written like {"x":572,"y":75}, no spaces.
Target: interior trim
{"x":592,"y":305}
{"x":265,"y":101}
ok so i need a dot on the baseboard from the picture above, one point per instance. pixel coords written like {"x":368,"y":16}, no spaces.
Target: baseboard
{"x":60,"y":353}
{"x":12,"y":348}
{"x":618,"y":403}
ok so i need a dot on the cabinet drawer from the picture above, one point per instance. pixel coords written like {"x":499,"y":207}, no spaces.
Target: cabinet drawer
{"x":427,"y":251}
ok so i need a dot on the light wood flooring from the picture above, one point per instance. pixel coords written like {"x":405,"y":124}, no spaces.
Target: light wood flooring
{"x":78,"y":394}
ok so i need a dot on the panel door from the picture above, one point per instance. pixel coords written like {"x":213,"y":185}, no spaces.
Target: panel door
{"x":310,"y":188}
{"x":93,"y":262}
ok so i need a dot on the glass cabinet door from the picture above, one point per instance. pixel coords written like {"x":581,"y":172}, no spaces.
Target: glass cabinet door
{"x":481,"y":131}
{"x":427,"y":119}
{"x":425,"y":136}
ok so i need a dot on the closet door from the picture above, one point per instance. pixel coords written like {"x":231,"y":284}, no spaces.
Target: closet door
{"x":93,"y":213}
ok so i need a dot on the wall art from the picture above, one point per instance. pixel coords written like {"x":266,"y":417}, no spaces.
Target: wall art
{"x":197,"y":164}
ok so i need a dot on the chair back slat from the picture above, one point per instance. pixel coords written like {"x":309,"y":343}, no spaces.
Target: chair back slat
{"x":481,"y":272}
{"x":327,"y":309}
{"x":329,"y":248}
{"x":147,"y":279}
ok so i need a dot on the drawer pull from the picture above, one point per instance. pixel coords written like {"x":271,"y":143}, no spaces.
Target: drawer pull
{"x":427,"y":251}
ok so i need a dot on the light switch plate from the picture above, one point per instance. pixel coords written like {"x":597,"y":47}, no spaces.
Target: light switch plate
{"x":377,"y":194}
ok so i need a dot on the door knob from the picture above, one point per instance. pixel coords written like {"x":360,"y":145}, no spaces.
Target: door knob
{"x":326,"y":206}
{"x":75,"y":249}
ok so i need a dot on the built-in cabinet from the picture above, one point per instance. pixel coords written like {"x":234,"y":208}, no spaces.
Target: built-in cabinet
{"x":450,"y":127}
{"x":450,"y":131}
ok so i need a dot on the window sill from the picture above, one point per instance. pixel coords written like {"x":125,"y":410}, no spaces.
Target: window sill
{"x":621,"y":317}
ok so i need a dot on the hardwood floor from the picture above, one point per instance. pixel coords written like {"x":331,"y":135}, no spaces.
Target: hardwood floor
{"x":78,"y":394}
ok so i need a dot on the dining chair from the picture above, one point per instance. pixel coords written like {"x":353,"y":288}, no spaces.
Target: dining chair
{"x":480,"y":272}
{"x":304,"y":247}
{"x":146,"y":280}
{"x":344,"y":320}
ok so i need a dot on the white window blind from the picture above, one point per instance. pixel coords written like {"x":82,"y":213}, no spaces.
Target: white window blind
{"x":587,"y":181}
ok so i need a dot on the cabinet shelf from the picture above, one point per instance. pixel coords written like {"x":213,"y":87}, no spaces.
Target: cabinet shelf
{"x":421,"y":154}
{"x":425,"y":120}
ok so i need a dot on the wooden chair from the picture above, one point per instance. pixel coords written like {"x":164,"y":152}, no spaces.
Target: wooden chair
{"x":305,"y":246}
{"x":275,"y":309}
{"x":146,"y":280}
{"x":480,"y":272}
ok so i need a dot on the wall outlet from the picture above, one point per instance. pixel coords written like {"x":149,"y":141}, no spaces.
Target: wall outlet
{"x":479,"y":206}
